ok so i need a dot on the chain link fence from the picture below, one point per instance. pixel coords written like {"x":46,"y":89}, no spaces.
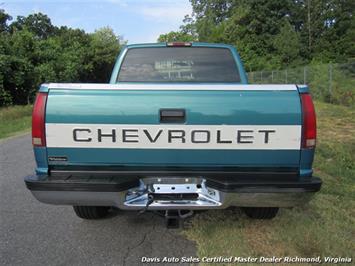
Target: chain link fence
{"x":333,"y":83}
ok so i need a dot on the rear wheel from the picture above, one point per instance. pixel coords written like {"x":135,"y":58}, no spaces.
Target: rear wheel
{"x":261,"y":212}
{"x":91,"y":212}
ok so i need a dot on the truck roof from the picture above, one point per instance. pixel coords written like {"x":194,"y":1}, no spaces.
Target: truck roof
{"x":193,"y":44}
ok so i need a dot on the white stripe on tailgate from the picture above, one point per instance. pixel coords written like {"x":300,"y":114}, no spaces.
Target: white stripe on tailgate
{"x":214,"y":137}
{"x":162,"y":87}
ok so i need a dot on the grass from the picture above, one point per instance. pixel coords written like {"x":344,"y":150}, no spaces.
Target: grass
{"x":14,"y":120}
{"x":323,"y":227}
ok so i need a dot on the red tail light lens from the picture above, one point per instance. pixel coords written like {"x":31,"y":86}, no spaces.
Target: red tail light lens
{"x":309,"y":132}
{"x":38,"y":123}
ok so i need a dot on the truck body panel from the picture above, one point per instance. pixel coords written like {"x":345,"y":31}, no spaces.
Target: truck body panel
{"x":211,"y":110}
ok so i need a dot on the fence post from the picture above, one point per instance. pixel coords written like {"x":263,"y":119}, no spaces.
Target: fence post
{"x":286,"y":76}
{"x":272,"y":76}
{"x":304,"y":75}
{"x":330,"y":67}
{"x":261,"y":76}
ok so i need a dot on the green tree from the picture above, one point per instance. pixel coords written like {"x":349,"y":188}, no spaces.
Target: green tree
{"x":209,"y":16}
{"x":187,"y":32}
{"x":19,"y":74}
{"x":39,"y":24}
{"x":323,"y":30}
{"x":5,"y":97}
{"x":103,"y":51}
{"x":287,"y":45}
{"x":176,"y":36}
{"x":33,"y":51}
{"x":4,"y":18}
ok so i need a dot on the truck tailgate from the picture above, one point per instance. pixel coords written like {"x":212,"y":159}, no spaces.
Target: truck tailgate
{"x":210,"y":126}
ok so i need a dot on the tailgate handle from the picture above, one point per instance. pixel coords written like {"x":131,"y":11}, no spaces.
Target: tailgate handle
{"x":172,"y":116}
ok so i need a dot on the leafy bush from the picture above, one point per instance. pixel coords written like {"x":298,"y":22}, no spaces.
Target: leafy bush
{"x":33,"y":51}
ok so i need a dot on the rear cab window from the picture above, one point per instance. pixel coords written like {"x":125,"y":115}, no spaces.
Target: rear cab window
{"x":179,"y":64}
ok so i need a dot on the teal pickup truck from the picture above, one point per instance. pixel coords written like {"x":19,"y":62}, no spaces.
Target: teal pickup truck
{"x":177,"y":129}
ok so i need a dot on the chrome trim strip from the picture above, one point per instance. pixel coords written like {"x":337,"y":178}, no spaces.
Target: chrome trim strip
{"x":167,"y":86}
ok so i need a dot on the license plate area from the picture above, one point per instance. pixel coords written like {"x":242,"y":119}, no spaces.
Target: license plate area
{"x":176,"y":188}
{"x":175,"y":196}
{"x":173,"y":193}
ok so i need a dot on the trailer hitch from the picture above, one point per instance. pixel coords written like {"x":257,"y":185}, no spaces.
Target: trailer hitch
{"x":174,"y":218}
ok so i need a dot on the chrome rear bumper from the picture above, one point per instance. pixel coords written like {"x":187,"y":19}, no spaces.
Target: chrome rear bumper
{"x":179,"y":193}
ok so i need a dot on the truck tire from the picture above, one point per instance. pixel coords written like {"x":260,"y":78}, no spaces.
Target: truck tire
{"x":91,"y":212}
{"x":261,"y":212}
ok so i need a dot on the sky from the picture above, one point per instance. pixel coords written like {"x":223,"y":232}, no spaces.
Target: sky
{"x":137,"y":21}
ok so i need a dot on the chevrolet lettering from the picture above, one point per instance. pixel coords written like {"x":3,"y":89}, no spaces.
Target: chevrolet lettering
{"x":177,"y":129}
{"x":179,"y":137}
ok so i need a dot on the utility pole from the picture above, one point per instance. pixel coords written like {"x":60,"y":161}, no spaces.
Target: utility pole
{"x":309,"y":25}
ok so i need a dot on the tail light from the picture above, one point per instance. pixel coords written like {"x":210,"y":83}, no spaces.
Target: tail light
{"x":178,"y":44}
{"x":38,"y":123}
{"x":309,"y":131}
